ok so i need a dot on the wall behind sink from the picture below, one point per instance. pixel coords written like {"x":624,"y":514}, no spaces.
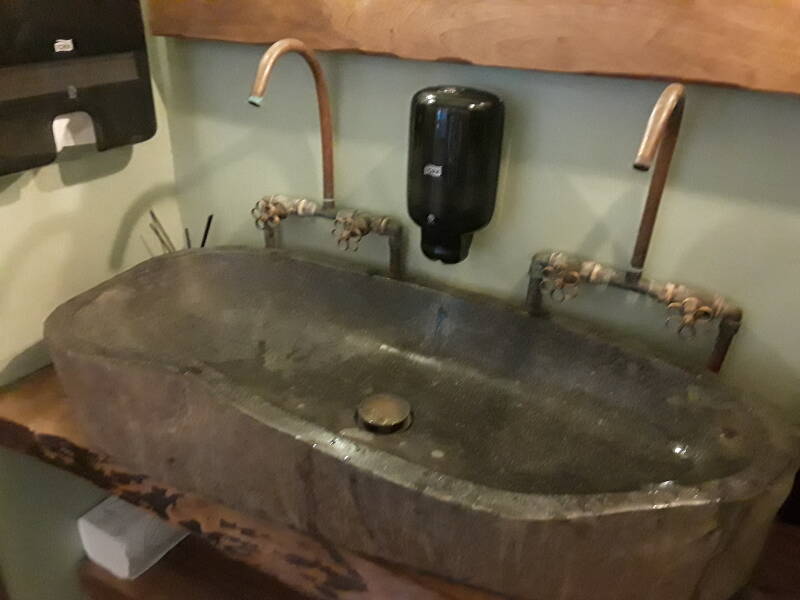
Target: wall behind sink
{"x":730,"y":218}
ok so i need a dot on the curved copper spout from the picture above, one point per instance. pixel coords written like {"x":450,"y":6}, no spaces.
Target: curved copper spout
{"x":263,"y":73}
{"x":660,"y":137}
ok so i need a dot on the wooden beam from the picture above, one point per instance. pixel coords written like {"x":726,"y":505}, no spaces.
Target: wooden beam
{"x":748,"y":43}
{"x":35,"y":419}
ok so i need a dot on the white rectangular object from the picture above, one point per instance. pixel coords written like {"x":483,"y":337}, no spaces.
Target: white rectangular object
{"x":73,"y":129}
{"x":124,"y":539}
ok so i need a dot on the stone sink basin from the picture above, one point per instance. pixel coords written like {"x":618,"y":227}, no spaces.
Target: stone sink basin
{"x":541,"y":463}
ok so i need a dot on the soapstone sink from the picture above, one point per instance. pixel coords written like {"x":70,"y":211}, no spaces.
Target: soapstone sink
{"x":542,"y":462}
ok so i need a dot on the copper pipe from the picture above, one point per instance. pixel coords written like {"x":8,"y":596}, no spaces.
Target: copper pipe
{"x":659,"y":139}
{"x":263,"y":73}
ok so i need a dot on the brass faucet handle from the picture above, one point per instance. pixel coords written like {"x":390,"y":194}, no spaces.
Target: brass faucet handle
{"x":687,"y":315}
{"x":349,"y":228}
{"x":269,"y":212}
{"x":257,"y":213}
{"x":561,"y":284}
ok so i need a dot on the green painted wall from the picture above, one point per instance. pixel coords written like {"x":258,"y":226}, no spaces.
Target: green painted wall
{"x":730,"y":219}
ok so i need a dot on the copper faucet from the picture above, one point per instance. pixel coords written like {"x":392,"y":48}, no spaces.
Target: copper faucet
{"x":658,"y":144}
{"x":349,"y":225}
{"x":263,"y":73}
{"x":561,"y":274}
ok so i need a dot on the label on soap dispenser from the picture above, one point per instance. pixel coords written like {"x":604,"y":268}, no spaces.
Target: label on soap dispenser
{"x":432,"y":170}
{"x":64,"y":46}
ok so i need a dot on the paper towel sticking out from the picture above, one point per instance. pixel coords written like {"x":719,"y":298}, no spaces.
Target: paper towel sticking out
{"x":73,"y":129}
{"x":124,"y":539}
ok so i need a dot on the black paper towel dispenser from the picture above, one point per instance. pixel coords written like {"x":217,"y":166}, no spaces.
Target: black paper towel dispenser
{"x":453,"y":165}
{"x":64,"y":56}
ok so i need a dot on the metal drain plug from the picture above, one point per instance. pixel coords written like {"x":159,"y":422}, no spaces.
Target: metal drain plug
{"x":383,"y":413}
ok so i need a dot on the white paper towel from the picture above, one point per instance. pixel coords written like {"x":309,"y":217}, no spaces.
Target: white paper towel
{"x":73,"y":129}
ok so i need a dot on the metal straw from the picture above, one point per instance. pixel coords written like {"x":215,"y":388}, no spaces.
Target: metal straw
{"x":163,"y":231}
{"x":162,"y":241}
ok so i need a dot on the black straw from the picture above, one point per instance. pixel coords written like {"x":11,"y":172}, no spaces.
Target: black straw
{"x":208,"y":228}
{"x":188,"y":238}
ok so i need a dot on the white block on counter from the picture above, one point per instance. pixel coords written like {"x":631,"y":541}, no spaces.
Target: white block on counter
{"x":124,"y":539}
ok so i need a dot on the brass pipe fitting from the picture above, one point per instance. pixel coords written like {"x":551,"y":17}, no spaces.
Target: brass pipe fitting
{"x":686,"y":306}
{"x":350,"y":225}
{"x":271,"y":210}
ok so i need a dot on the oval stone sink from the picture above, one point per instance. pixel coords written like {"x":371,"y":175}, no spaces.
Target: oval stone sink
{"x":540,"y":462}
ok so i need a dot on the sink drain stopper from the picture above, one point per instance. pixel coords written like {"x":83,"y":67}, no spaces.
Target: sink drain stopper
{"x":383,"y":413}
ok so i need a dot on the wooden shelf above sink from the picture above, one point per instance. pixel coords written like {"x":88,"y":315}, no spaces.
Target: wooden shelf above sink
{"x":745,"y":43}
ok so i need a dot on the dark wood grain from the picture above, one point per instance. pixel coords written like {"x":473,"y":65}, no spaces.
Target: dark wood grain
{"x":747,"y":43}
{"x":790,"y":512}
{"x":194,"y":570}
{"x":778,"y":574}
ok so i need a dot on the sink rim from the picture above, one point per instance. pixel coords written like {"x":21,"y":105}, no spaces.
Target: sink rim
{"x":770,"y":460}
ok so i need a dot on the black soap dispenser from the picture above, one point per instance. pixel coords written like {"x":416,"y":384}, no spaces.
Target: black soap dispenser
{"x":453,"y":165}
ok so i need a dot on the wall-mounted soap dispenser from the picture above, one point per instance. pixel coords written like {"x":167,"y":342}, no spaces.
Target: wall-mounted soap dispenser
{"x":65,"y":57}
{"x":453,"y":165}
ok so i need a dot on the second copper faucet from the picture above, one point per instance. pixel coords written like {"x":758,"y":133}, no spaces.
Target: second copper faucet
{"x":658,"y":144}
{"x":265,"y":68}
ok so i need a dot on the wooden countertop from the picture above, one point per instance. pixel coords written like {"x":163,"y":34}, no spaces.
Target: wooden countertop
{"x":35,"y":419}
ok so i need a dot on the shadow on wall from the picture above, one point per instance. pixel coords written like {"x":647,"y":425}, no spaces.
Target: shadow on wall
{"x":75,"y":169}
{"x":44,"y":228}
{"x":9,"y":191}
{"x":71,"y":240}
{"x":27,"y":361}
{"x":138,"y":209}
